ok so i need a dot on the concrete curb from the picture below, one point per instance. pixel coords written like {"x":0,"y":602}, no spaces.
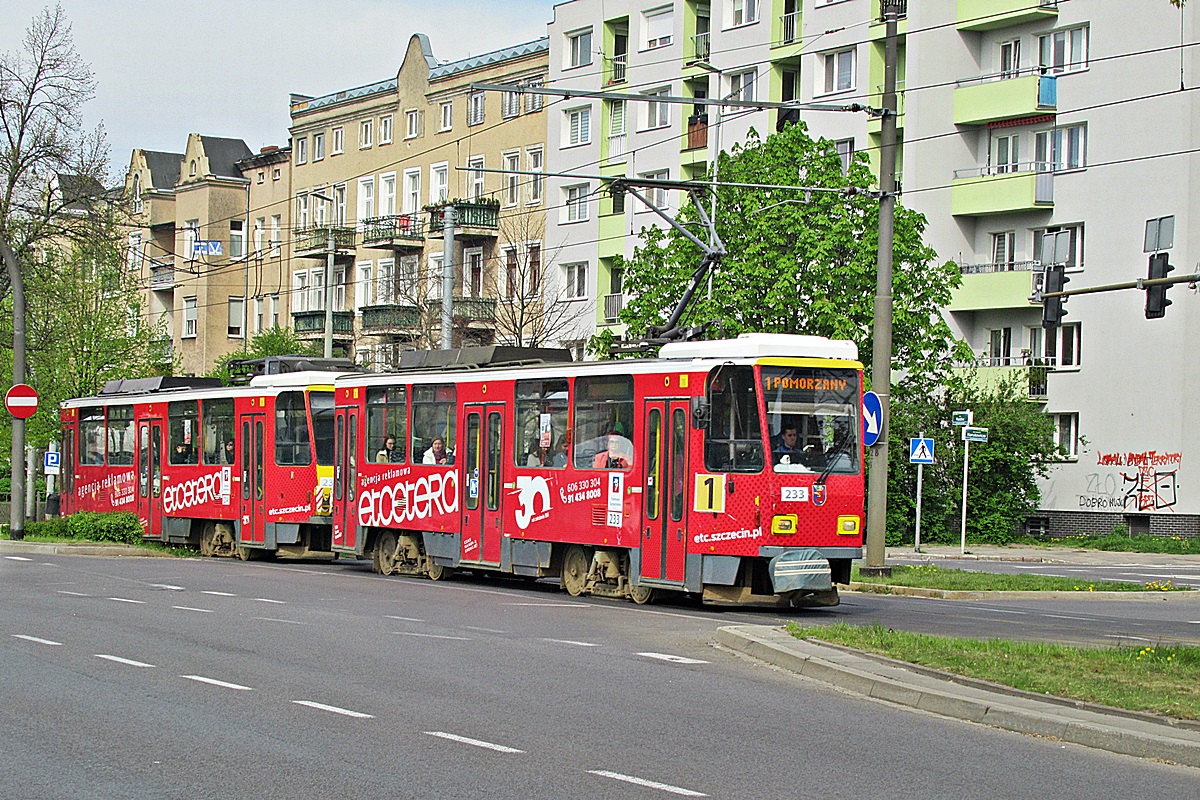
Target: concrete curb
{"x":1139,"y":735}
{"x":80,"y":549}
{"x":952,"y":594}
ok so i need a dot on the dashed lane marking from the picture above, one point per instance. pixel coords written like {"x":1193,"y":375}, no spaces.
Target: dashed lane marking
{"x":1126,"y":636}
{"x":18,"y":558}
{"x":219,"y":594}
{"x":274,"y":619}
{"x":215,"y":682}
{"x":36,"y":640}
{"x":127,"y":600}
{"x":73,"y":594}
{"x":499,"y":748}
{"x":405,"y":619}
{"x":572,"y":642}
{"x":189,"y":608}
{"x":432,"y":636}
{"x":483,"y":630}
{"x":276,"y":602}
{"x":334,"y":709}
{"x":673,"y":659}
{"x":126,"y":661}
{"x":551,"y":605}
{"x":663,"y":787}
{"x":169,"y":587}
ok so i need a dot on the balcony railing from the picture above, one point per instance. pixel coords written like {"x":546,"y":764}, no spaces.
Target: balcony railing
{"x":613,"y":303}
{"x":307,"y":323}
{"x":619,"y":63}
{"x":162,"y":275}
{"x":386,"y":229}
{"x":469,"y":215}
{"x":982,"y":15}
{"x":317,"y":239}
{"x":791,"y":28}
{"x":899,"y":6}
{"x":1033,"y":370}
{"x":390,"y":318}
{"x":467,"y":309}
{"x":701,"y":46}
{"x":1044,"y":181}
{"x":1003,"y":266}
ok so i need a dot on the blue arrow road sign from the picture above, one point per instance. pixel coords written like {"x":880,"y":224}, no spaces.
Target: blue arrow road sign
{"x":872,"y":418}
{"x":920,"y":451}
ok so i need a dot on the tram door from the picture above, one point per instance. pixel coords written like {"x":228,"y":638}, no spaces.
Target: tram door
{"x":483,"y":483}
{"x":664,"y":534}
{"x":252,"y":443}
{"x":345,"y":479}
{"x":149,"y":472}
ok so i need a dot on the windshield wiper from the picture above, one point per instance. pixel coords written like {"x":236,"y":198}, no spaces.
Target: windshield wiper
{"x":840,"y":448}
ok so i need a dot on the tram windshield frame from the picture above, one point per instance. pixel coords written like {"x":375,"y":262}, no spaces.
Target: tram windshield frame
{"x":823,"y":406}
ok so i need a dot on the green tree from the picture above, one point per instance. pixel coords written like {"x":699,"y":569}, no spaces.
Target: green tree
{"x":274,"y":341}
{"x":799,"y":262}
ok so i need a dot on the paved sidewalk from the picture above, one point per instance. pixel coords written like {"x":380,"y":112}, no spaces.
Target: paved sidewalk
{"x":1131,"y":733}
{"x":1031,"y":553}
{"x":9,"y":547}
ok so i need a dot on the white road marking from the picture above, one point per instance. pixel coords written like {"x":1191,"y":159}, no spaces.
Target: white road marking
{"x":673,"y":659}
{"x":36,"y":640}
{"x":276,"y":602}
{"x":1067,"y":616}
{"x":665,"y":787}
{"x":1125,"y":636}
{"x":126,"y":661}
{"x":215,"y":682}
{"x":220,"y":594}
{"x":127,"y":600}
{"x":551,"y":605}
{"x":432,"y":636}
{"x":73,"y":594}
{"x":499,"y":748}
{"x":288,"y":621}
{"x":571,"y":641}
{"x":405,"y":619}
{"x":189,"y":608}
{"x":167,"y":586}
{"x":1194,"y":622}
{"x":18,"y":558}
{"x":484,"y":630}
{"x":343,"y":711}
{"x":1002,"y":611}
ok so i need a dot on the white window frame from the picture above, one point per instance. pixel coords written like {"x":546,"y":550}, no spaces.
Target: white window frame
{"x":510,"y":103}
{"x":339,"y":141}
{"x":512,"y":181}
{"x":434,"y":266}
{"x":365,"y":133}
{"x":476,"y":108}
{"x":1070,"y":449}
{"x":191,"y":233}
{"x":191,"y":310}
{"x":534,"y":102}
{"x":1010,"y":59}
{"x":535,"y":162}
{"x":363,"y":295}
{"x":836,"y":75}
{"x":742,"y":85}
{"x":300,"y":291}
{"x":578,"y":51}
{"x":316,"y":289}
{"x":658,"y":114}
{"x":446,"y":116}
{"x":1004,"y":245}
{"x":410,"y":199}
{"x":339,"y":204}
{"x":299,"y":149}
{"x":366,"y":199}
{"x":260,"y":236}
{"x":845,"y":151}
{"x":237,"y":236}
{"x":133,"y":256}
{"x":387,"y":194}
{"x":439,"y":183}
{"x":237,"y":318}
{"x":575,"y":277}
{"x":318,"y":151}
{"x":385,"y":128}
{"x":575,"y":203}
{"x":473,"y":265}
{"x":276,"y":233}
{"x":1072,"y":332}
{"x":412,"y":123}
{"x":478,"y":178}
{"x":1062,"y":149}
{"x":339,"y":288}
{"x":260,"y":314}
{"x":658,"y":27}
{"x":742,"y":12}
{"x":1072,"y":60}
{"x":1004,"y":154}
{"x":577,"y":123}
{"x":656,"y":195}
{"x":385,"y":284}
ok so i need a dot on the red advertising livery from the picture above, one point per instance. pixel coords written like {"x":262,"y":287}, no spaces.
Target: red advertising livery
{"x":728,"y":469}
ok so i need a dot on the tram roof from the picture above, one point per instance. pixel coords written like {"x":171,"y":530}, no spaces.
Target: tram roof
{"x":128,"y":392}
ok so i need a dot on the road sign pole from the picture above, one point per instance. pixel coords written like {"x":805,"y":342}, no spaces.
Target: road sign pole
{"x":920,"y":480}
{"x":966,"y":464}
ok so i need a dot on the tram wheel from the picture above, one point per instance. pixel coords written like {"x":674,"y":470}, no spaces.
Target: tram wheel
{"x":244,"y":553}
{"x":437,"y":572}
{"x":641,"y":594}
{"x":208,"y":545}
{"x":574,"y":571}
{"x":385,"y":553}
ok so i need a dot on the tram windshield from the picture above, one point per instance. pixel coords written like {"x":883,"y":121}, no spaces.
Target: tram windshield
{"x":812,"y":419}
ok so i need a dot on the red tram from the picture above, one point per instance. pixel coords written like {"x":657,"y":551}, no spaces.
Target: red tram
{"x":231,"y":470}
{"x":730,"y":469}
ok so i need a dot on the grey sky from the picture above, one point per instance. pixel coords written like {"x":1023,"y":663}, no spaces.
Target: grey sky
{"x":226,"y":68}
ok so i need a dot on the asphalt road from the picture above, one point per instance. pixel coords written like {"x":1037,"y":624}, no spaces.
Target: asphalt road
{"x":1130,"y":569}
{"x":137,"y":678}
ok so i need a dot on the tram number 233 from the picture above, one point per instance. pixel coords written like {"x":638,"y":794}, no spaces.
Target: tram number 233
{"x":710,"y":493}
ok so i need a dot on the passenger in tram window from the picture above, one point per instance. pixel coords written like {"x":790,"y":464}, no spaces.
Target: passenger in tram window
{"x":536,"y":456}
{"x":438,"y":454}
{"x":562,"y":453}
{"x":617,"y":454}
{"x":389,"y":454}
{"x":184,"y":454}
{"x":228,"y":451}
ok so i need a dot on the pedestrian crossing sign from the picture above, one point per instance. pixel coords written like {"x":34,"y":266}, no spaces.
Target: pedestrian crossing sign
{"x":920,"y":451}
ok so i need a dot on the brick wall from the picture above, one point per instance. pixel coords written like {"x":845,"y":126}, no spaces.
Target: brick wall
{"x":1063,"y":524}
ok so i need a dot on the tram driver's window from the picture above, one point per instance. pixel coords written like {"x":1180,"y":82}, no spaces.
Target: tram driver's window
{"x":218,"y":431}
{"x":183,"y":438}
{"x":120,"y":436}
{"x":603,"y":433}
{"x":387,"y":424}
{"x":292,"y":447}
{"x":541,"y":441}
{"x":433,"y":413}
{"x":91,"y":436}
{"x":733,"y":438}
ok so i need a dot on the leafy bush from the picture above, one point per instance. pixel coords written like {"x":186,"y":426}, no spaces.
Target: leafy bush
{"x":55,"y":528}
{"x":120,"y":527}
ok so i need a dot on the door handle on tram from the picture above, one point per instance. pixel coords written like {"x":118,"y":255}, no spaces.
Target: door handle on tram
{"x":679,"y":534}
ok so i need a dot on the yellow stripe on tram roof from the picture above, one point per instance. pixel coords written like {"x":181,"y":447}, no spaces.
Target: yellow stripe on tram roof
{"x":800,"y":361}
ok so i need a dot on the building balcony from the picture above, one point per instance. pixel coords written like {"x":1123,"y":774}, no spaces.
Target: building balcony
{"x":469,"y":311}
{"x":789,"y":29}
{"x":1032,"y":373}
{"x":878,"y":28}
{"x":162,"y":275}
{"x":314,"y":242}
{"x":613,"y":303}
{"x":390,"y":319}
{"x":1002,"y":286}
{"x":472,"y":219}
{"x":697,"y":132}
{"x":394,"y":231}
{"x":311,"y":324}
{"x":1005,"y":96}
{"x":618,"y":68}
{"x":984,"y":15}
{"x":875,"y":124}
{"x":701,"y":46}
{"x":1005,"y":189}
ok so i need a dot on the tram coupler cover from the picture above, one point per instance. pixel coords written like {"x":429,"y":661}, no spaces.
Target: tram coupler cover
{"x":801,"y":571}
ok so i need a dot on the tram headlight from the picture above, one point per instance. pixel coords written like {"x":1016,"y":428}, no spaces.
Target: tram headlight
{"x":785,"y":524}
{"x":848,"y":525}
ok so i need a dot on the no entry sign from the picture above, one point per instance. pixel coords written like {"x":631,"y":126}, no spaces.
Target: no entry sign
{"x":21,"y":401}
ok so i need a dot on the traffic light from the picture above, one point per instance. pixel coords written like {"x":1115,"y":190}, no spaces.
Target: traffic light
{"x":1156,"y":296}
{"x":1052,"y":307}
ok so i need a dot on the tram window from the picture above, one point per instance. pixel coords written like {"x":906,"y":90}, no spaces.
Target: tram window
{"x":733,"y":438}
{"x":91,"y":435}
{"x":541,"y":412}
{"x":812,"y":418}
{"x":218,"y":431}
{"x":292,"y":446}
{"x":387,"y":418}
{"x":322,"y":426}
{"x":183,"y":423}
{"x":120,"y":436}
{"x":433,"y":410}
{"x":604,"y":422}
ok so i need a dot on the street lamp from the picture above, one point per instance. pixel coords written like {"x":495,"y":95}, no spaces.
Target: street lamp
{"x":328,"y":280}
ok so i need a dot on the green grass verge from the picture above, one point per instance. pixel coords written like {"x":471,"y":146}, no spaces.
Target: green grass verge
{"x":1174,"y":545}
{"x":1156,"y":678}
{"x":929,"y":576}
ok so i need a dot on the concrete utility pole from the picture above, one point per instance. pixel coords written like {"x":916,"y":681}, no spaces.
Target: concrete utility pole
{"x":449,"y":218}
{"x":881,"y":355}
{"x":329,"y":296}
{"x":16,"y":512}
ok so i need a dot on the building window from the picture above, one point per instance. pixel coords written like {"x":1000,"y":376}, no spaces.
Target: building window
{"x":839,"y":71}
{"x":1062,"y":148}
{"x":576,"y":202}
{"x":339,"y":204}
{"x":366,"y":199}
{"x":579,"y":126}
{"x":262,"y":178}
{"x":1010,"y":59}
{"x":387,"y":194}
{"x":1070,"y":342}
{"x":190,"y":309}
{"x":439,"y":183}
{"x":276,"y":233}
{"x":534,"y":101}
{"x":845,"y":151}
{"x":237,"y":308}
{"x":412,"y":124}
{"x":237,"y":238}
{"x":658,"y":114}
{"x":475,"y":166}
{"x":192,"y":168}
{"x":362,"y":289}
{"x":260,"y":236}
{"x":365,"y":133}
{"x":318,"y":146}
{"x":1061,"y":244}
{"x":510,"y":103}
{"x":133,"y":258}
{"x":1006,"y":155}
{"x":301,"y":153}
{"x":339,"y":141}
{"x":1064,"y":51}
{"x":656,"y":194}
{"x":385,"y":128}
{"x":741,"y":86}
{"x":533,"y":160}
{"x":260,"y":314}
{"x":473,"y":273}
{"x":575,"y":280}
{"x":658,"y":25}
{"x":138,"y":204}
{"x":579,"y":48}
{"x":412,"y":191}
{"x":1066,"y":434}
{"x":446,"y":116}
{"x":743,"y":12}
{"x":512,"y":181}
{"x":1003,"y":244}
{"x":191,"y":233}
{"x":476,"y":108}
{"x":339,"y":288}
{"x":275,"y":174}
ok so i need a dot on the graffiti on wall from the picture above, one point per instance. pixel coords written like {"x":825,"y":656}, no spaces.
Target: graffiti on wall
{"x":1133,"y":481}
